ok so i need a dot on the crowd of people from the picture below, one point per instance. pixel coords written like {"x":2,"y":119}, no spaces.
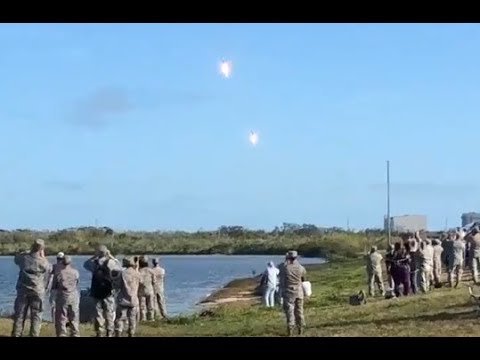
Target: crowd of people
{"x":284,"y":286}
{"x":123,"y":294}
{"x":415,"y":264}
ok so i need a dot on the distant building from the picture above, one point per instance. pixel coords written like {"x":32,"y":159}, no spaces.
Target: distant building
{"x":470,"y":217}
{"x":407,"y":223}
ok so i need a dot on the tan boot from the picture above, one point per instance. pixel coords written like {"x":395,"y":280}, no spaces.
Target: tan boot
{"x":290,"y":331}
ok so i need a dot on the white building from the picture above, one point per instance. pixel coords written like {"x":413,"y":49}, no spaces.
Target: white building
{"x":407,"y":223}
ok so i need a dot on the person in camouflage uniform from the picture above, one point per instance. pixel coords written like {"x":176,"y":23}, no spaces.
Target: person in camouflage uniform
{"x":426,"y":264}
{"x":292,"y":274}
{"x":457,"y":260}
{"x":473,"y":239}
{"x":104,"y":305}
{"x":68,"y":299}
{"x":50,"y":285}
{"x":127,"y":298}
{"x":159,"y":288}
{"x":34,"y":268}
{"x":374,"y":271}
{"x":437,"y":262}
{"x":146,"y":291}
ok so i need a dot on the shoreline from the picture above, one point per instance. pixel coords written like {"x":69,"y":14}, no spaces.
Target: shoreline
{"x":246,"y":291}
{"x":309,"y":256}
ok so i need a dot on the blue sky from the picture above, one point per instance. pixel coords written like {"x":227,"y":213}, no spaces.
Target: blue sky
{"x":132,"y":124}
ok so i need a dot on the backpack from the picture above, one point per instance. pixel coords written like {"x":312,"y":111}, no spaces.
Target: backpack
{"x":358,"y":299}
{"x":102,"y":283}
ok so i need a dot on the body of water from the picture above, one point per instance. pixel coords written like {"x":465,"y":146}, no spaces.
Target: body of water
{"x":189,"y":278}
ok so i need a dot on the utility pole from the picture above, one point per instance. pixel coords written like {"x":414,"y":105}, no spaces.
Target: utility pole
{"x":348,"y":224}
{"x":389,"y":230}
{"x":446,"y":224}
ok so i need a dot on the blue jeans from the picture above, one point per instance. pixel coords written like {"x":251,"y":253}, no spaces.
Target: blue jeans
{"x":269,"y":296}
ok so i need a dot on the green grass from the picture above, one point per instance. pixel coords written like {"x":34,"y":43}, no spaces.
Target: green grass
{"x":443,"y":312}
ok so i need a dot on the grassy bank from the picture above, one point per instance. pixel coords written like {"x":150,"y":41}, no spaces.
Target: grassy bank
{"x":307,"y":239}
{"x":444,"y":312}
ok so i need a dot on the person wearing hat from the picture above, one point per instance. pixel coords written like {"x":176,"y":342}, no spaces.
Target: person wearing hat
{"x":127,"y":298}
{"x":425,"y":257}
{"x":437,"y":262}
{"x":146,"y":291}
{"x":388,"y":266}
{"x":473,"y":239}
{"x":67,"y":308}
{"x":51,"y":285}
{"x":34,"y":267}
{"x":104,"y":267}
{"x":374,"y":271}
{"x":457,"y":260}
{"x":292,"y":274}
{"x":269,"y":283}
{"x":160,"y":306}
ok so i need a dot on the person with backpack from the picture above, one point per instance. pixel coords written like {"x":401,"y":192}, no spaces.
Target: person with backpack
{"x":104,"y":268}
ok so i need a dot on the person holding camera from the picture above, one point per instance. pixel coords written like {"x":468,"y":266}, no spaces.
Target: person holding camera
{"x":104,"y":268}
{"x":34,"y":268}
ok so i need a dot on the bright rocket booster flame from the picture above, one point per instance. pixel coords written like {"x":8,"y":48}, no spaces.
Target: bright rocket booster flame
{"x":226,"y":68}
{"x":253,"y":138}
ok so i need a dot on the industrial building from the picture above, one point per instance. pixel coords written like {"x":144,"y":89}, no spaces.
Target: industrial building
{"x":407,"y":223}
{"x":470,"y":217}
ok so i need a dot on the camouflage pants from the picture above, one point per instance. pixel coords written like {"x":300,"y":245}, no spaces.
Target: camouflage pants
{"x":426,"y":274}
{"x":124,"y":314}
{"x":147,"y":307}
{"x":104,"y":315}
{"x":160,"y":306}
{"x":455,"y":272}
{"x":23,"y":302}
{"x":375,"y":278}
{"x":67,"y":312}
{"x":475,"y":268}
{"x":293,"y":308}
{"x":437,"y":272}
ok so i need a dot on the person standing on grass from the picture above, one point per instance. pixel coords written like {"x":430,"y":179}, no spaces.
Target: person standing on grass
{"x":104,"y":268}
{"x":437,"y":262}
{"x":127,"y":298}
{"x":401,"y":270}
{"x":413,"y":263}
{"x":68,"y":299}
{"x":269,"y":284}
{"x":457,"y":260}
{"x":426,"y":264}
{"x":292,"y":274}
{"x":160,"y":303}
{"x":51,"y":286}
{"x":374,"y":272}
{"x":474,"y":240}
{"x":146,"y":292}
{"x":34,"y":268}
{"x":388,"y":266}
